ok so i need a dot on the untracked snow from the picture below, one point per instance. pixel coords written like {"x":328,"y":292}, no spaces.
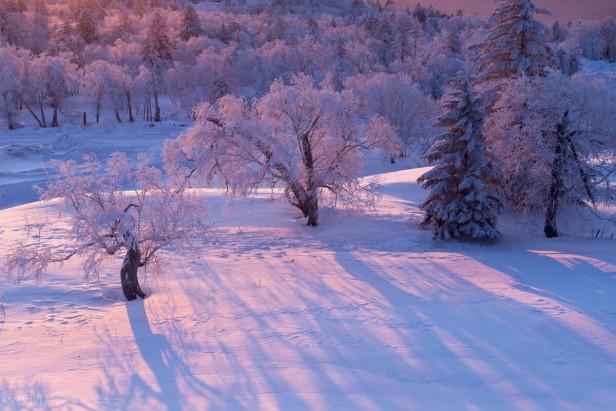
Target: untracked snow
{"x":365,"y":312}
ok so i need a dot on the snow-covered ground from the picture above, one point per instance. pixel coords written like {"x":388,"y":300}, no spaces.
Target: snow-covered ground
{"x":25,"y":153}
{"x":365,"y":312}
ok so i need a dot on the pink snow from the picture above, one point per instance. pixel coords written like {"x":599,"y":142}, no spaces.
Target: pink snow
{"x":365,"y":312}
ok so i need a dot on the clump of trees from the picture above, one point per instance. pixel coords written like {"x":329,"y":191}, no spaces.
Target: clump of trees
{"x":549,"y":134}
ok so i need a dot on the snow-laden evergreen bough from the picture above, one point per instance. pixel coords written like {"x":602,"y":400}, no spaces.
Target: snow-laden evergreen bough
{"x":461,"y":202}
{"x":306,"y":139}
{"x":515,"y":44}
{"x":156,"y":211}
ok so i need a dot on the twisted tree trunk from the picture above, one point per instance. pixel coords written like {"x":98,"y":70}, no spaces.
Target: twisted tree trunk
{"x":312,"y":208}
{"x":128,"y":274}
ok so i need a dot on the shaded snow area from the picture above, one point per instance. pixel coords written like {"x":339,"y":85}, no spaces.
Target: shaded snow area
{"x":365,"y":312}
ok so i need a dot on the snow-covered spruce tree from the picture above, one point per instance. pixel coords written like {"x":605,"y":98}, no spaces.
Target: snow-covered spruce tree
{"x":105,"y":220}
{"x":156,"y":55}
{"x":550,"y":135}
{"x":514,"y":44}
{"x":191,"y":25}
{"x":461,"y":202}
{"x":305,"y":139}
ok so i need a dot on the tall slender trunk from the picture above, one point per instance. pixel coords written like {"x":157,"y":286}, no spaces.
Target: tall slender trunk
{"x":54,"y":119}
{"x":42,"y":110}
{"x":117,"y":115}
{"x":98,"y":109}
{"x":556,"y":188}
{"x":551,"y":212}
{"x":157,"y":117}
{"x":38,"y":120}
{"x":128,"y":274}
{"x":129,"y":104}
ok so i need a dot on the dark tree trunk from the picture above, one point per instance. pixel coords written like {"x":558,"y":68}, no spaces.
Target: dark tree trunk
{"x":312,"y":210}
{"x":38,"y":120}
{"x":128,"y":274}
{"x":54,"y":119}
{"x":129,"y":103}
{"x":157,"y":116}
{"x":43,"y":116}
{"x":550,"y":229}
{"x":117,"y":115}
{"x":10,"y":117}
{"x":98,"y":111}
{"x":85,"y":118}
{"x":557,"y":186}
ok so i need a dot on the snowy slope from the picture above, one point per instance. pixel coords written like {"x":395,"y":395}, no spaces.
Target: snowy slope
{"x":362,"y":313}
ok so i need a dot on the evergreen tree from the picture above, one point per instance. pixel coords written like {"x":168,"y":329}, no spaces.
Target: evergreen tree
{"x":461,"y":203}
{"x":156,"y":55}
{"x":85,"y":17}
{"x":191,"y":25}
{"x":515,"y":44}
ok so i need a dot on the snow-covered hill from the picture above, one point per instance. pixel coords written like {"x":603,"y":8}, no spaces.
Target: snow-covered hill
{"x":365,"y":312}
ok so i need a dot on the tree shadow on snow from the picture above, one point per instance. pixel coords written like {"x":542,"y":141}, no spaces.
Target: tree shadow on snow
{"x":492,"y":346}
{"x":127,"y":386}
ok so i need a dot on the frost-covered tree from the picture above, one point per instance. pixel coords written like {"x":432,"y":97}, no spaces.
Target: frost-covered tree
{"x":104,"y":219}
{"x":11,"y":77}
{"x":398,"y":99}
{"x":156,"y":55}
{"x":550,"y":135}
{"x":305,"y":139}
{"x":461,"y":202}
{"x":103,"y":80}
{"x":191,"y":24}
{"x":515,"y":43}
{"x":60,"y":79}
